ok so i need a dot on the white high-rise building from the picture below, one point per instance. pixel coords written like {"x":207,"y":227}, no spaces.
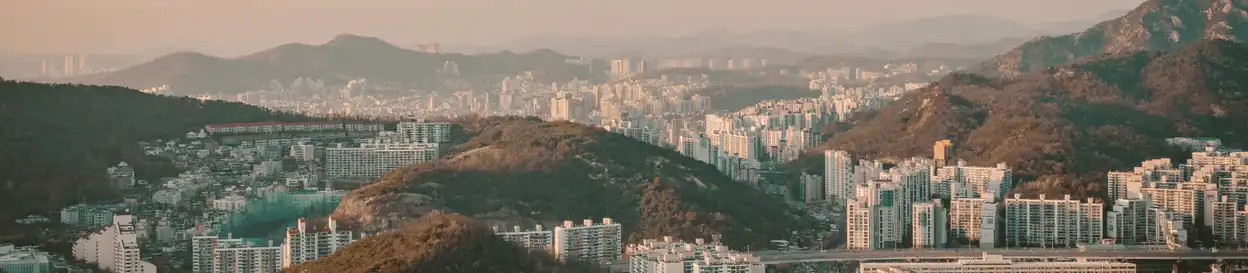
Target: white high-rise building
{"x":116,"y":248}
{"x":669,"y":256}
{"x":873,"y":217}
{"x":997,"y":263}
{"x":212,"y":254}
{"x":1045,"y":222}
{"x":967,"y":180}
{"x":838,"y":172}
{"x":592,"y":242}
{"x":304,"y":243}
{"x":424,"y":132}
{"x":930,"y":225}
{"x":373,"y":159}
{"x":1131,"y":222}
{"x":536,"y":239}
{"x":966,"y":219}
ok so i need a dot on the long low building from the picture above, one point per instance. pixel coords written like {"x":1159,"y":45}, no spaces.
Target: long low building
{"x":997,"y":263}
{"x":280,"y":127}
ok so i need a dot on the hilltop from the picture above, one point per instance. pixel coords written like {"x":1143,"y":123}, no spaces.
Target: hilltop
{"x":58,"y":139}
{"x":1067,"y":126}
{"x":344,"y":58}
{"x":1153,"y":25}
{"x":438,"y":242}
{"x":512,"y":170}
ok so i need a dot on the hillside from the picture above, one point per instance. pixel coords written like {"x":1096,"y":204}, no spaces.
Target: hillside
{"x":344,"y":58}
{"x":513,"y":170}
{"x":733,"y":98}
{"x":58,"y":139}
{"x":1067,"y":126}
{"x":435,"y":243}
{"x":1154,"y":25}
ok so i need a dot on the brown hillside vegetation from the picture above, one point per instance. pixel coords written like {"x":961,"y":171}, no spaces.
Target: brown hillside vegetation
{"x":513,"y":169}
{"x":1067,"y":126}
{"x":438,"y":243}
{"x":1153,"y":25}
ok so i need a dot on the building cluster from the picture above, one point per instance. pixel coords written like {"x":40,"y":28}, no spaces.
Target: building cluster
{"x":600,"y":242}
{"x":932,"y":203}
{"x":673,"y":256}
{"x":1161,"y":203}
{"x":999,"y":264}
{"x":304,"y":243}
{"x":411,"y":143}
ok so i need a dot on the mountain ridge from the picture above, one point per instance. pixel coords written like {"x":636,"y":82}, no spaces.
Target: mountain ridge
{"x":1153,"y":25}
{"x":343,"y":58}
{"x":1064,"y":127}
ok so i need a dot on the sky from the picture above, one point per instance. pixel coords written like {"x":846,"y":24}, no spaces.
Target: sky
{"x":238,"y":26}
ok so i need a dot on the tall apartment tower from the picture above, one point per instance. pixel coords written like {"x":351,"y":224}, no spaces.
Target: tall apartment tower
{"x":115,"y":248}
{"x":930,"y":225}
{"x":304,"y":243}
{"x":873,"y":216}
{"x":838,"y":175}
{"x":592,"y":242}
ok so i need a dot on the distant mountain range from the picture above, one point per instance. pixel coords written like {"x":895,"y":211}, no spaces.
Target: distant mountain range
{"x":880,"y":40}
{"x":1154,"y":25}
{"x":344,"y":58}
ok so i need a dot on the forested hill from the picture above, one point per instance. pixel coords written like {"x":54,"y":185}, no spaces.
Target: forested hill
{"x":57,"y":140}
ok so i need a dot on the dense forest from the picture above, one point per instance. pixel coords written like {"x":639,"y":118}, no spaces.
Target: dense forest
{"x":1065,"y":127}
{"x":57,"y":140}
{"x":439,"y":243}
{"x":517,"y":170}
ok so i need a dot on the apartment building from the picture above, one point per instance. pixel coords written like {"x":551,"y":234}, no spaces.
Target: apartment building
{"x":115,"y":248}
{"x":929,"y":225}
{"x":24,"y":260}
{"x":83,"y":215}
{"x":1052,"y":222}
{"x":997,"y":263}
{"x":992,"y":181}
{"x":838,"y":173}
{"x":673,"y":256}
{"x":424,"y":132}
{"x":212,"y":254}
{"x":535,"y":239}
{"x":305,"y":242}
{"x":967,"y":218}
{"x":873,"y":217}
{"x":121,"y":175}
{"x":593,"y":242}
{"x":375,"y":158}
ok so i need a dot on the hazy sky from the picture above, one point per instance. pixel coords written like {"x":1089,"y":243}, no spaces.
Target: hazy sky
{"x":236,"y":26}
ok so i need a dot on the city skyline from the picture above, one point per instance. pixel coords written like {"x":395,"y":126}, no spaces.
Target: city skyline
{"x":126,"y":26}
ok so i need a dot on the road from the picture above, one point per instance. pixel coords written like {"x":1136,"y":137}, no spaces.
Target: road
{"x":777,"y":257}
